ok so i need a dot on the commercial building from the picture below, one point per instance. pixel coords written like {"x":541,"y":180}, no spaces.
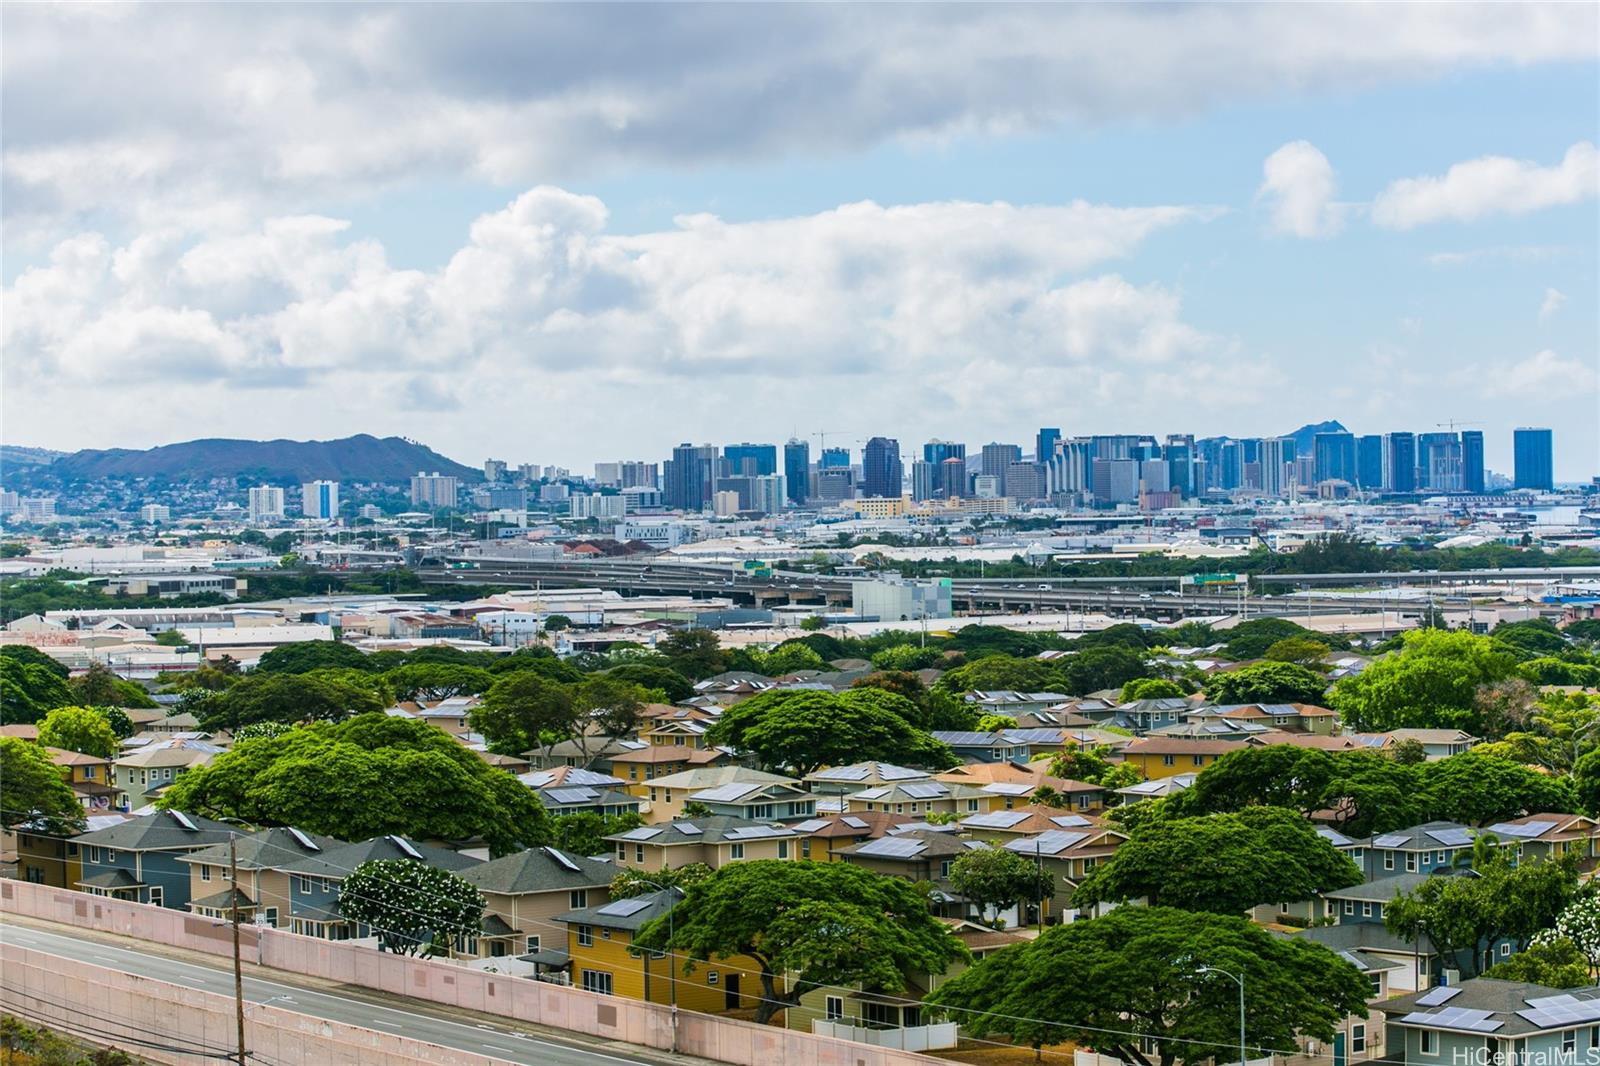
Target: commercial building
{"x":1399,"y":462}
{"x":896,"y":599}
{"x":155,"y":512}
{"x":608,"y":475}
{"x":750,"y":460}
{"x":1333,"y":457}
{"x":1275,"y":456}
{"x":635,"y":473}
{"x":433,"y":490}
{"x":265,"y":503}
{"x":494,"y":469}
{"x":662,"y":533}
{"x":836,"y":457}
{"x":1472,"y":460}
{"x":1369,"y":462}
{"x":1115,"y":480}
{"x":690,"y":476}
{"x":924,"y":481}
{"x":596,"y":506}
{"x":1533,"y":459}
{"x":881,"y":473}
{"x":835,"y":483}
{"x":996,"y":459}
{"x":1026,"y":481}
{"x":725,"y":503}
{"x":320,"y":500}
{"x":797,"y":471}
{"x":1044,"y":443}
{"x":937,"y":451}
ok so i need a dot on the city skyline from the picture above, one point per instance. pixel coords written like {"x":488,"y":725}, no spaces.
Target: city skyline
{"x":1092,"y":216}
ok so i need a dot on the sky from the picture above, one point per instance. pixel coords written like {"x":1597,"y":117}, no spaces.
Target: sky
{"x":563,"y":234}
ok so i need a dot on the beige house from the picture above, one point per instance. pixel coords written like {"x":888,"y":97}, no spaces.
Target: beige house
{"x":141,"y":774}
{"x":925,"y":798}
{"x":526,"y":890}
{"x":667,"y":795}
{"x":713,"y":841}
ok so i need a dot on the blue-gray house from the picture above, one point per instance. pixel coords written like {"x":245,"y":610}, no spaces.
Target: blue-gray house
{"x":1489,"y":1021}
{"x":142,"y":858}
{"x":314,"y":880}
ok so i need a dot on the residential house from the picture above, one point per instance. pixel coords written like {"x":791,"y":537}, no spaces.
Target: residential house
{"x":714,"y":841}
{"x":141,"y":774}
{"x":1158,"y":788}
{"x":924,"y":798}
{"x":822,"y":838}
{"x":1304,"y":912}
{"x":1550,"y":836}
{"x":841,"y":780}
{"x":54,"y":860}
{"x":780,"y":801}
{"x":726,"y":689}
{"x":587,"y":799}
{"x":597,"y":755}
{"x":681,"y":727}
{"x":1418,"y":849}
{"x":1017,"y":783}
{"x":1392,"y":963}
{"x":89,"y":777}
{"x":141,"y":859}
{"x":1436,"y":743}
{"x":263,"y":858}
{"x":1488,"y":1020}
{"x":1157,"y":757}
{"x":526,"y":890}
{"x":1141,"y":716}
{"x":315,"y":880}
{"x":599,"y":945}
{"x":918,"y":856}
{"x":1010,"y":704}
{"x":669,"y":794}
{"x":645,"y":762}
{"x":970,"y":746}
{"x":1000,"y":827}
{"x":1068,"y":855}
{"x":1289,"y":717}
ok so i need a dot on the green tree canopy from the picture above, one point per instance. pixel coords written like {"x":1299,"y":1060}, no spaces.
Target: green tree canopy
{"x":29,"y":690}
{"x":311,"y":655}
{"x":996,"y":878}
{"x":1480,"y":789}
{"x":663,"y":679}
{"x":828,"y":923}
{"x":1267,"y":682}
{"x":33,"y":792}
{"x":1224,"y":863}
{"x":1151,"y":688}
{"x":369,"y":776}
{"x":100,"y":687}
{"x":584,"y":832}
{"x":907,"y":657}
{"x":317,"y":696}
{"x":803,"y":729}
{"x":1554,"y":962}
{"x":694,"y":653}
{"x":437,"y":681}
{"x":1108,"y":982}
{"x":523,"y":711}
{"x":1250,"y":640}
{"x":1000,"y":672}
{"x":31,"y":656}
{"x":1097,"y":668}
{"x":1302,"y":651}
{"x":80,"y":729}
{"x":630,"y":882}
{"x":1429,"y":684}
{"x":413,"y":907}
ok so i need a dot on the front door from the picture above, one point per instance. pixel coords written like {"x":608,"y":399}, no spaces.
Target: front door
{"x":730,"y":992}
{"x":1339,"y":1053}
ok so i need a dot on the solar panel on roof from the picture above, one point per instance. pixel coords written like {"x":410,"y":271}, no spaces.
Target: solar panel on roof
{"x":996,"y":820}
{"x":405,"y":848}
{"x":924,"y":791}
{"x":810,"y":825}
{"x":1451,"y":837}
{"x":573,"y":795}
{"x":687,"y":828}
{"x":1393,"y":840}
{"x":892,"y":847}
{"x":562,"y":859}
{"x":622,"y":908}
{"x":1552,"y":1012}
{"x":183,"y":820}
{"x":303,"y":840}
{"x":644,"y":832}
{"x":1007,"y":788}
{"x":1050,"y":842}
{"x":853,"y":823}
{"x":1438,"y":995}
{"x":843,"y":773}
{"x":1526,"y":830}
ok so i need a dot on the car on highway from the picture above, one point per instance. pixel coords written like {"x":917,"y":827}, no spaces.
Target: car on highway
{"x":1044,"y":588}
{"x":1146,"y":596}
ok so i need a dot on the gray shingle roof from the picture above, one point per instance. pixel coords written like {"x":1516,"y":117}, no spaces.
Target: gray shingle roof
{"x":162,"y":830}
{"x":539,"y":870}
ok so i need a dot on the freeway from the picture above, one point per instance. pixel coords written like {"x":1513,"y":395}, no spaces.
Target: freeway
{"x":502,"y":1041}
{"x":971,"y":594}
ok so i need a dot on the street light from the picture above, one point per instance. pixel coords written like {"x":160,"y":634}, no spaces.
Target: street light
{"x":1238,"y":980}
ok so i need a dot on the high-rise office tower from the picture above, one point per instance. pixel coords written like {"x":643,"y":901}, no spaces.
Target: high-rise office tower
{"x":1230,"y":462}
{"x":751,"y":460}
{"x":881,"y":474}
{"x":953,"y":478}
{"x":1533,"y":459}
{"x":1333,"y":457}
{"x":1072,"y":466}
{"x":1444,"y":464}
{"x":1116,"y":480}
{"x":1026,"y":481}
{"x":1155,"y":475}
{"x":996,"y":458}
{"x":924,"y":480}
{"x":635,"y":474}
{"x":1472,"y":460}
{"x":265,"y":501}
{"x":1044,"y":444}
{"x":1399,"y":462}
{"x":320,"y":499}
{"x":1276,"y":458}
{"x":937,"y":451}
{"x":797,"y":470}
{"x":1369,"y":462}
{"x":1181,"y":458}
{"x":835,"y":457}
{"x":1426,"y":442}
{"x":690,"y":479}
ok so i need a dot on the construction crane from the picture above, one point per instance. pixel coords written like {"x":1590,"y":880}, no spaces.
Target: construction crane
{"x":823,"y":434}
{"x":1452,"y":423}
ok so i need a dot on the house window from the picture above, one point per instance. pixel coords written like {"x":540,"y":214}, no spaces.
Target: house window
{"x":622,"y":853}
{"x":111,"y":855}
{"x":1505,"y":951}
{"x":736,"y":851}
{"x":653,"y":796}
{"x":638,"y":853}
{"x":92,"y":854}
{"x":834,"y":1008}
{"x":605,"y":934}
{"x":783,"y":849}
{"x":972,"y":805}
{"x":578,"y":899}
{"x":805,"y":849}
{"x":88,"y":773}
{"x":585,"y":936}
{"x":1358,"y":1038}
{"x":305,"y":885}
{"x":1411,"y":863}
{"x":1350,"y":906}
{"x":597,"y":981}
{"x":1569,"y":1043}
{"x":1430,"y":1042}
{"x":156,"y":896}
{"x":205,"y":872}
{"x":1388,"y":860}
{"x":272,"y":916}
{"x":533,"y":944}
{"x":899,"y":808}
{"x":1169,"y":760}
{"x":1366,"y":909}
{"x":762,"y":810}
{"x":1199,"y":760}
{"x":944,"y":868}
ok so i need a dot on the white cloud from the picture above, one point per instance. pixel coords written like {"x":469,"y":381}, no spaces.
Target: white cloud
{"x":1523,"y":253}
{"x":162,"y":112}
{"x":898,"y":315}
{"x":1492,"y":185}
{"x":1554,"y":300}
{"x":1543,"y":376}
{"x":1298,"y":184}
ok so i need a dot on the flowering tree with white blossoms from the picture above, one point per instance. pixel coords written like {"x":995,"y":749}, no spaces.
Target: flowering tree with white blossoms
{"x":1579,"y":922}
{"x":411,"y":907}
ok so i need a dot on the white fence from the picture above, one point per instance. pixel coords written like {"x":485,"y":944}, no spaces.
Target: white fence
{"x":914,"y":1038}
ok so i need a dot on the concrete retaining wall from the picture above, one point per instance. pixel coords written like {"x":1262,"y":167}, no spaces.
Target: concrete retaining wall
{"x":537,"y":1002}
{"x":193,"y":1026}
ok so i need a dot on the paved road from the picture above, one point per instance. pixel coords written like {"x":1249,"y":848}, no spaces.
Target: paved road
{"x":502,"y":1041}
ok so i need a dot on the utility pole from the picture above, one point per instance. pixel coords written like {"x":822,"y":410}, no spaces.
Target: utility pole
{"x":238,"y":972}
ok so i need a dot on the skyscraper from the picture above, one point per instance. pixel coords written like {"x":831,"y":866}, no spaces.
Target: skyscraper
{"x":1399,"y":462}
{"x":937,"y":451}
{"x":924,"y":480}
{"x":1426,"y":443}
{"x":1230,"y":474}
{"x":1276,"y":457}
{"x":1333,"y":457}
{"x":953,"y":478}
{"x":1044,"y":445}
{"x":751,"y":460}
{"x":1533,"y":457}
{"x":265,"y":501}
{"x":797,"y":470}
{"x":1180,"y":456}
{"x":881,"y":474}
{"x":320,"y":499}
{"x":1444,"y":464}
{"x":1369,"y":462}
{"x":1472,"y":460}
{"x":433,"y":490}
{"x":689,"y":482}
{"x":835,"y":457}
{"x":996,"y":459}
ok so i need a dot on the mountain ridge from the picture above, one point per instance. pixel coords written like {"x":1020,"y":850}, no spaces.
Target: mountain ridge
{"x":362,"y":457}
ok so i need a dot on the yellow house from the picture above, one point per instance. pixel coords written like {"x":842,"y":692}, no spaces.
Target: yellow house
{"x":824,"y":837}
{"x":642,"y":765}
{"x":924,"y":798}
{"x":714,"y":841}
{"x":1158,"y":757}
{"x":599,"y":944}
{"x":668,"y":795}
{"x":89,"y":777}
